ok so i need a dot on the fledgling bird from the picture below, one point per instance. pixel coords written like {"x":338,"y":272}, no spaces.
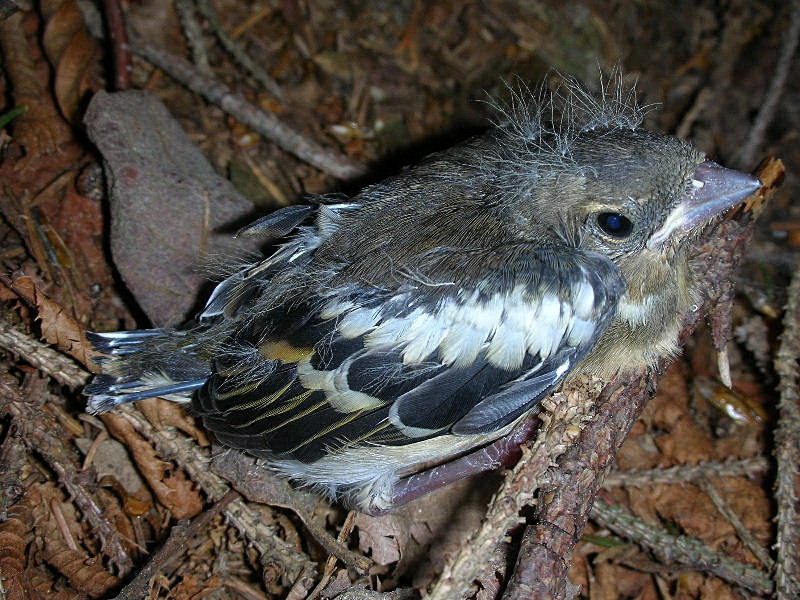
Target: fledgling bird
{"x":426,"y":315}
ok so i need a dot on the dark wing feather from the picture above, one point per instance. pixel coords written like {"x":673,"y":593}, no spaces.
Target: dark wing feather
{"x":502,"y":407}
{"x":442,"y":400}
{"x":277,"y":224}
{"x":377,"y":367}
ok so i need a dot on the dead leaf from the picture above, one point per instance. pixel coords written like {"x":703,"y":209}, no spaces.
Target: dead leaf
{"x":114,"y":469}
{"x":382,"y":536}
{"x":75,"y":58}
{"x":171,"y":414}
{"x":40,"y":130}
{"x":58,"y":327}
{"x":171,"y":486}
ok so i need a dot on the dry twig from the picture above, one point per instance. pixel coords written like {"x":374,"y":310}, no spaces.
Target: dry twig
{"x":179,"y":536}
{"x":330,"y":564}
{"x":207,"y":9}
{"x":547,"y":545}
{"x":329,"y":161}
{"x":52,"y":362}
{"x":770,"y":103}
{"x":563,"y":415}
{"x":745,"y":467}
{"x":787,"y":451}
{"x":194,"y":34}
{"x":44,"y":435}
{"x":115,"y":23}
{"x":681,"y":549}
{"x":188,"y":456}
{"x":744,"y":534}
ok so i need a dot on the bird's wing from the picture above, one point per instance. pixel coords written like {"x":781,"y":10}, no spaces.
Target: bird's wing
{"x":360,"y":365}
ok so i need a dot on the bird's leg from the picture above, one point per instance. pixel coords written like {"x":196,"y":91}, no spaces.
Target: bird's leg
{"x":504,"y":452}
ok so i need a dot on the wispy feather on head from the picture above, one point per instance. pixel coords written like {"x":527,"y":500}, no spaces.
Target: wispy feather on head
{"x":562,"y":108}
{"x":539,"y":128}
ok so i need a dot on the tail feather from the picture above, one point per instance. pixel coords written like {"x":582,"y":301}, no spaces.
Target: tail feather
{"x":143,"y":364}
{"x":107,"y":342}
{"x":103,"y":402}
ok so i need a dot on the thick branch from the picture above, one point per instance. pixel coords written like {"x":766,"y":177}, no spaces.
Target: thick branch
{"x":547,"y":546}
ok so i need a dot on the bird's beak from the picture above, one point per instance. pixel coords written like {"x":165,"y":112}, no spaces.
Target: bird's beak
{"x":714,"y":190}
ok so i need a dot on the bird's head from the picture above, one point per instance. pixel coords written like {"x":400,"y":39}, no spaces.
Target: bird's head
{"x":640,"y":195}
{"x":581,"y":164}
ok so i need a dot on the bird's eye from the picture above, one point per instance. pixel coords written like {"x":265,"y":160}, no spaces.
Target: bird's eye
{"x":615,"y":224}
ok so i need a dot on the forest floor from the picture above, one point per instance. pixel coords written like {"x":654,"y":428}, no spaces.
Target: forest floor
{"x":286,"y":98}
